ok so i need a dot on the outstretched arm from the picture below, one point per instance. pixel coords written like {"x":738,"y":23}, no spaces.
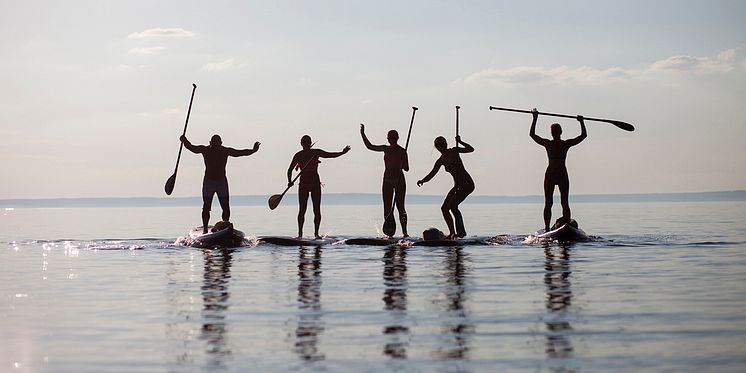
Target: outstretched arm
{"x":466,"y":149}
{"x":432,"y":173}
{"x":192,"y":148}
{"x":325,"y":154}
{"x":583,"y":133}
{"x":375,"y":148}
{"x":243,"y":152}
{"x":538,"y":139}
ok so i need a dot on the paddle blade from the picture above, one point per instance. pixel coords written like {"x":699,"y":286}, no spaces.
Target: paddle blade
{"x":274,"y":201}
{"x":622,"y":125}
{"x":170,"y":184}
{"x":389,"y":226}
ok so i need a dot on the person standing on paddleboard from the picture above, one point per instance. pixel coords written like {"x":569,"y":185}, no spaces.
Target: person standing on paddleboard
{"x":307,"y":161}
{"x":215,"y":181}
{"x":463,"y":184}
{"x":556,"y":173}
{"x":394,"y":188}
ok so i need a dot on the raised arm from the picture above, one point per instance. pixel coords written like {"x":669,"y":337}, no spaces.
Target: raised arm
{"x":325,"y":154}
{"x":375,"y":148}
{"x":243,"y":152}
{"x":432,"y":173}
{"x":197,"y":149}
{"x":466,"y":149}
{"x":583,"y":133}
{"x":538,"y":139}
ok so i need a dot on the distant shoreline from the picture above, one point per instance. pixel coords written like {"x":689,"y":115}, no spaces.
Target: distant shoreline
{"x":368,"y":199}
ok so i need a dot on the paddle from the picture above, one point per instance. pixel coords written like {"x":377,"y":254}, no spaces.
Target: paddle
{"x":389,"y":223}
{"x":457,"y":108}
{"x":274,"y":200}
{"x":172,"y":180}
{"x":622,"y":125}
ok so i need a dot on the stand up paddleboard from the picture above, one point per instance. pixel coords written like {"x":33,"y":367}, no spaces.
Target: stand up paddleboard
{"x":222,"y":236}
{"x":365,"y":241}
{"x":451,"y":243}
{"x":569,"y":232}
{"x":291,"y":241}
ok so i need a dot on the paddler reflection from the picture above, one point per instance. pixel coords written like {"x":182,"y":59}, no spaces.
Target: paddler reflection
{"x":559,"y":299}
{"x":215,"y":295}
{"x":457,"y":328}
{"x":395,"y":301}
{"x":310,"y":325}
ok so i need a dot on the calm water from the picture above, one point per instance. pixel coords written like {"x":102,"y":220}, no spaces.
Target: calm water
{"x":104,"y":290}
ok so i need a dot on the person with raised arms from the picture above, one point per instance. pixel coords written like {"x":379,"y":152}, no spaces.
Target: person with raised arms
{"x":307,"y":161}
{"x":394,"y":186}
{"x":463,"y":184}
{"x":215,"y":180}
{"x":556,"y":173}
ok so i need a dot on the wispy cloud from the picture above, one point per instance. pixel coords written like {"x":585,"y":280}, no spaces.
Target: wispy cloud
{"x":586,"y":75}
{"x":722,"y":63}
{"x":177,"y":32}
{"x":150,"y":50}
{"x":230,"y":63}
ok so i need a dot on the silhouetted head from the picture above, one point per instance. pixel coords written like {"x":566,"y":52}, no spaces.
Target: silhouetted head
{"x":305,"y":142}
{"x":393,"y":137}
{"x":215,"y":140}
{"x":440,"y":143}
{"x":556,"y":130}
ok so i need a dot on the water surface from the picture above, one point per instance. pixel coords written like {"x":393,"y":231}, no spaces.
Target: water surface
{"x":105,"y":290}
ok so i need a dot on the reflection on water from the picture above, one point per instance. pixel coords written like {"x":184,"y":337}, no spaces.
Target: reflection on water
{"x":310,"y":325}
{"x":457,"y":328}
{"x":559,"y":299}
{"x":217,"y":273}
{"x":395,"y":301}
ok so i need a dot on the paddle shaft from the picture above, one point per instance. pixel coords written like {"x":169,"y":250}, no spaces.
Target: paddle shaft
{"x":186,"y":122}
{"x":409,"y":133}
{"x":622,"y":125}
{"x":457,"y":109}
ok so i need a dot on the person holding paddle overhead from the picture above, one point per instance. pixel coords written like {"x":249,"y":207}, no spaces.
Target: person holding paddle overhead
{"x":307,"y":161}
{"x":394,"y":186}
{"x":215,"y":181}
{"x":463,"y":184}
{"x":556,"y":173}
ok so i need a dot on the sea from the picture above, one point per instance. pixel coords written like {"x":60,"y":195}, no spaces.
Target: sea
{"x":660,"y":288}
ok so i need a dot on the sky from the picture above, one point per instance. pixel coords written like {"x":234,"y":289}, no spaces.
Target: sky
{"x":95,"y":93}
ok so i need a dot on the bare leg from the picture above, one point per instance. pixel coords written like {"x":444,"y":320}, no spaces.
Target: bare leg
{"x":224,"y":199}
{"x":316,"y":199}
{"x":461,"y":193}
{"x":302,"y":206}
{"x":205,"y":219}
{"x":564,"y":189}
{"x":401,"y":192}
{"x":548,"y":202}
{"x":387,"y":191}
{"x":445,"y":208}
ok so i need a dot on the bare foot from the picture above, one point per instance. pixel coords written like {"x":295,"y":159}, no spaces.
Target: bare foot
{"x":319,"y":237}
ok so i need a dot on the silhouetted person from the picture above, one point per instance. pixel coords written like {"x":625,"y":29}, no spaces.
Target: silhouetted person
{"x":395,"y":162}
{"x":216,"y":156}
{"x":307,"y":160}
{"x":463,"y":184}
{"x":556,"y":173}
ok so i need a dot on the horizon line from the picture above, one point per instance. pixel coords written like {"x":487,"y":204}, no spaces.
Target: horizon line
{"x":373,"y":198}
